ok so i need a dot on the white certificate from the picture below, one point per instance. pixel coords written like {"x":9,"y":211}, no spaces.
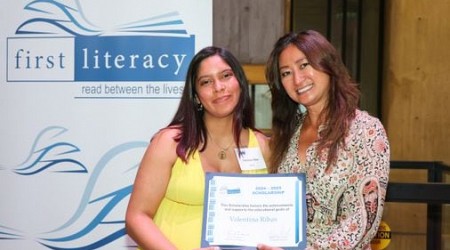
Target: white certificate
{"x":242,"y":210}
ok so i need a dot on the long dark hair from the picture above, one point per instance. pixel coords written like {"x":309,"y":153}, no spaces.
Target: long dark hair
{"x":189,"y":119}
{"x":343,"y":96}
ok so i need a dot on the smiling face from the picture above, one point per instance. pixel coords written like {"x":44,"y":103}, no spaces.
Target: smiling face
{"x":217,"y":87}
{"x":303,"y":83}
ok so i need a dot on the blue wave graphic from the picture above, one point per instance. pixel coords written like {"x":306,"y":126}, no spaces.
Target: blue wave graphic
{"x":99,"y":210}
{"x":99,"y":219}
{"x":7,"y":233}
{"x":56,"y":18}
{"x":50,"y":156}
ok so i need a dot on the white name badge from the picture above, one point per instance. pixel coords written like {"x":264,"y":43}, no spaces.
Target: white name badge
{"x":250,"y":158}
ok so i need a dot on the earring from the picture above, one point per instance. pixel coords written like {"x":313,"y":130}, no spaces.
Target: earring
{"x":301,"y":110}
{"x":199,"y":107}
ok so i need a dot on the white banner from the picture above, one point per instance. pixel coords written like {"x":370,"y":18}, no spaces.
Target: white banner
{"x":84,"y":86}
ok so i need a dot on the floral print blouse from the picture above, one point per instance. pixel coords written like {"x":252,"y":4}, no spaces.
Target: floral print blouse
{"x":344,"y":203}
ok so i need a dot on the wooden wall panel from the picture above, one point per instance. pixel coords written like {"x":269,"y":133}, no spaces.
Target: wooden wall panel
{"x":248,"y":28}
{"x":415,"y":104}
{"x":417,"y":81}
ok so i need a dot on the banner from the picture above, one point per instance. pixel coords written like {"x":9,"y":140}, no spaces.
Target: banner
{"x":84,"y":86}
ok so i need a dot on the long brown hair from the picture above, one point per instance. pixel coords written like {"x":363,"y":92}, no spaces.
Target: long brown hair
{"x":189,"y":118}
{"x":343,"y":96}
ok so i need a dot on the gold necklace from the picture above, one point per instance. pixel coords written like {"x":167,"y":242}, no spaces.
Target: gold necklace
{"x":223,"y":150}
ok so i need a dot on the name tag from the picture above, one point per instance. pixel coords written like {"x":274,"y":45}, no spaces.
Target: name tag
{"x":250,"y":158}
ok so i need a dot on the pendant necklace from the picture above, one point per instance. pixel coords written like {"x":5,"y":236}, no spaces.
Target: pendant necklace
{"x":223,"y":150}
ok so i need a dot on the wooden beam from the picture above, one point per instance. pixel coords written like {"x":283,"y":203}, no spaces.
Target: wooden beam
{"x":255,"y":73}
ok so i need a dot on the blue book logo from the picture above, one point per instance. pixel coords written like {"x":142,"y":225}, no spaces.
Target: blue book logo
{"x":60,"y":44}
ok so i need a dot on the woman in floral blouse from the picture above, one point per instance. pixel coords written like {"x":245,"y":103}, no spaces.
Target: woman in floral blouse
{"x":319,"y":130}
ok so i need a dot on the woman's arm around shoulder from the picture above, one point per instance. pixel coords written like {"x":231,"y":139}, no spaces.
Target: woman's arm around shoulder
{"x":149,"y":189}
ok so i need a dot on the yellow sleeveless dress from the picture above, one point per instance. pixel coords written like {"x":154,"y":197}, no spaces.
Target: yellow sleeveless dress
{"x":179,"y":215}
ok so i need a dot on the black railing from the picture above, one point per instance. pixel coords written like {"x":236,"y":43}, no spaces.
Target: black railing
{"x":435,"y":193}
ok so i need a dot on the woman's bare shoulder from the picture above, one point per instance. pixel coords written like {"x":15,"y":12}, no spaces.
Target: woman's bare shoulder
{"x":162,"y":147}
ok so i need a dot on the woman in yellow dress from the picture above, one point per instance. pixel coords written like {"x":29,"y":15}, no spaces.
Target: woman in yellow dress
{"x":214,"y":118}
